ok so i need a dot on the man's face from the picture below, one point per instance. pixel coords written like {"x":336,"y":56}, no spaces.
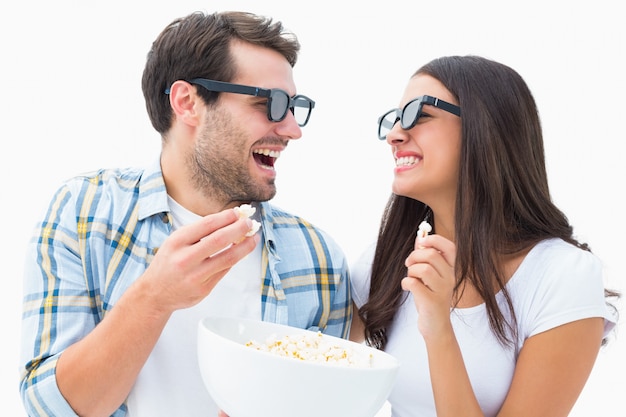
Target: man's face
{"x":237,"y":148}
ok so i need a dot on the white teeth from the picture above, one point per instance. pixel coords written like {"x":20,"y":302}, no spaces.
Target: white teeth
{"x":406,"y":160}
{"x":267,"y":152}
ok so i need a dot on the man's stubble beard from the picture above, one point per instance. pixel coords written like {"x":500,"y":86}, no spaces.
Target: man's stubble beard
{"x":219,"y":164}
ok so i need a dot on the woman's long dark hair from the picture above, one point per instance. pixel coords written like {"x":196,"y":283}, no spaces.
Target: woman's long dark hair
{"x":503,"y":203}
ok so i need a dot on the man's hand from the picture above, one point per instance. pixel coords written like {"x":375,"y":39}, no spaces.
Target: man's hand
{"x":194,"y":258}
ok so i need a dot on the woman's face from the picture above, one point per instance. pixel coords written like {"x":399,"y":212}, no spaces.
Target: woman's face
{"x":427,"y":155}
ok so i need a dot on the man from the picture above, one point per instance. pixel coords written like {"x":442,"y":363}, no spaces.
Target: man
{"x":127,"y":262}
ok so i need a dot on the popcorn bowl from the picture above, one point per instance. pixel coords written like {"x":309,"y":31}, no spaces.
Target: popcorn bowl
{"x":247,"y":382}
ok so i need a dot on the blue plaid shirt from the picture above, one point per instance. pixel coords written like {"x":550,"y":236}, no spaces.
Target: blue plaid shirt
{"x":101,"y":232}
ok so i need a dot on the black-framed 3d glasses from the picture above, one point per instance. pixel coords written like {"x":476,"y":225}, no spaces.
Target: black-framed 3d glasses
{"x":278,"y":101}
{"x":410,"y":114}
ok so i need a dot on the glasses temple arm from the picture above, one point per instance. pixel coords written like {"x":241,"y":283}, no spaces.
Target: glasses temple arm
{"x":449,"y":107}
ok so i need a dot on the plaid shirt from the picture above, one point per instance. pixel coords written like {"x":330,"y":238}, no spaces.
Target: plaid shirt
{"x":101,"y":232}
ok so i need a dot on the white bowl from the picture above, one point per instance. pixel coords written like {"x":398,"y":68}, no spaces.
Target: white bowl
{"x":246,"y":382}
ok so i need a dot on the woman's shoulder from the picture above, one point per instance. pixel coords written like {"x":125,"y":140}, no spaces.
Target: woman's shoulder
{"x":556,"y":267}
{"x":558,"y":254}
{"x":558,"y":282}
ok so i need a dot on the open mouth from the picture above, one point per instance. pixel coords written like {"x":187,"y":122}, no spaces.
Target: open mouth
{"x":266,"y":158}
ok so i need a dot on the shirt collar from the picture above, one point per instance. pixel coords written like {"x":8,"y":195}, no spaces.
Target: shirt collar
{"x":152,"y":192}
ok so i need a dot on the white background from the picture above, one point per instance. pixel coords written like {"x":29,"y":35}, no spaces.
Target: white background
{"x":72,"y":102}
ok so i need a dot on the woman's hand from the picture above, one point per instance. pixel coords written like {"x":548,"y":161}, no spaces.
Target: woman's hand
{"x":431,"y":280}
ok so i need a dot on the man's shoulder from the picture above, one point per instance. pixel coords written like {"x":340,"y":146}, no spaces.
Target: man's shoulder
{"x":119,"y":188}
{"x":124,"y":179}
{"x":125,"y":173}
{"x":107,"y":176}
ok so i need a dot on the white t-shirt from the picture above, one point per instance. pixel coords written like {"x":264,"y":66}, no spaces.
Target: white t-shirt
{"x":170,"y":383}
{"x":556,"y":283}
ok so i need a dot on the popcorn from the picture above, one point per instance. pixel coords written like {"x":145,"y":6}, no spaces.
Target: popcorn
{"x":246,"y":210}
{"x":424,"y":229}
{"x":312,"y":348}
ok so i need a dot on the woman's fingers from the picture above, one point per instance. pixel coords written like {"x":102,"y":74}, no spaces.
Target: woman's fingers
{"x":431,"y":265}
{"x":443,"y":246}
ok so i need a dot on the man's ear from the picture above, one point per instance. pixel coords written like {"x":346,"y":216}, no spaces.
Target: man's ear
{"x":185,"y":102}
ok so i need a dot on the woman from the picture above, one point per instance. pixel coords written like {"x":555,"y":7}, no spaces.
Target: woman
{"x":500,"y":311}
